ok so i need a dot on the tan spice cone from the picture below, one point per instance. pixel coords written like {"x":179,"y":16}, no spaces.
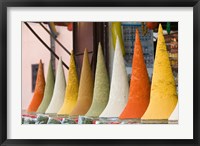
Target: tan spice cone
{"x":86,"y":86}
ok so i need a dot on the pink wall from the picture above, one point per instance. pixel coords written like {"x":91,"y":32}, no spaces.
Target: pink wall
{"x":33,"y":50}
{"x":65,"y":37}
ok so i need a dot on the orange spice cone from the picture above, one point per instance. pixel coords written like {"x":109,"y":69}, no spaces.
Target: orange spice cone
{"x":139,"y":92}
{"x":85,"y":93}
{"x":163,"y":97}
{"x":71,"y":93}
{"x":39,"y":90}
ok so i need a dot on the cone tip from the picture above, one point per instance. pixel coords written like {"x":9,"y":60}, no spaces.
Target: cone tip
{"x":99,"y":45}
{"x":72,"y":53}
{"x":136,"y":31}
{"x":40,"y":61}
{"x":160,"y":29}
{"x":85,"y":50}
{"x":137,"y":38}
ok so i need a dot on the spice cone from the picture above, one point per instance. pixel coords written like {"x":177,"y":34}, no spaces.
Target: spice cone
{"x":59,"y":91}
{"x":101,"y":87}
{"x":71,"y":93}
{"x":48,"y":91}
{"x":163,"y":97}
{"x":119,"y":86}
{"x":117,"y":32}
{"x":39,"y":90}
{"x":85,"y":92}
{"x":139,"y":94}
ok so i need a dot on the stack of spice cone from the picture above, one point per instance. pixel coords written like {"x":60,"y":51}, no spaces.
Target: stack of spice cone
{"x":117,"y":33}
{"x":163,"y":96}
{"x":139,"y":92}
{"x":85,"y":92}
{"x":101,"y":87}
{"x":119,"y":86}
{"x":48,"y":91}
{"x":39,"y":90}
{"x":71,"y":93}
{"x":59,"y":91}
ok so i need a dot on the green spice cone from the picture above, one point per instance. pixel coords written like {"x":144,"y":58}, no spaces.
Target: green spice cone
{"x":101,"y":87}
{"x":59,"y":91}
{"x":48,"y":91}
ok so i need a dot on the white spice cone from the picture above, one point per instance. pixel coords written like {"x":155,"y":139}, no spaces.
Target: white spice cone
{"x":111,"y":51}
{"x":59,"y":91}
{"x":175,"y":113}
{"x":119,"y":86}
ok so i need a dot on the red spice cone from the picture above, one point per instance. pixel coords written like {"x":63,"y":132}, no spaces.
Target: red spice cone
{"x":139,"y":93}
{"x":39,"y":90}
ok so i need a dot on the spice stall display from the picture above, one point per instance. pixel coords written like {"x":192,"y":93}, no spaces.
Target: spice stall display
{"x":162,"y":101}
{"x":119,"y":86}
{"x":101,"y":87}
{"x":59,"y":91}
{"x":39,"y":90}
{"x":48,"y":91}
{"x":99,"y":99}
{"x":139,"y":92}
{"x":86,"y":86}
{"x":71,"y":93}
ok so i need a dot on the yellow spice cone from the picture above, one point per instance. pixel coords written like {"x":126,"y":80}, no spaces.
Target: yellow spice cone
{"x":163,"y":97}
{"x":39,"y":90}
{"x":71,"y":93}
{"x":86,"y":86}
{"x":117,"y":33}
